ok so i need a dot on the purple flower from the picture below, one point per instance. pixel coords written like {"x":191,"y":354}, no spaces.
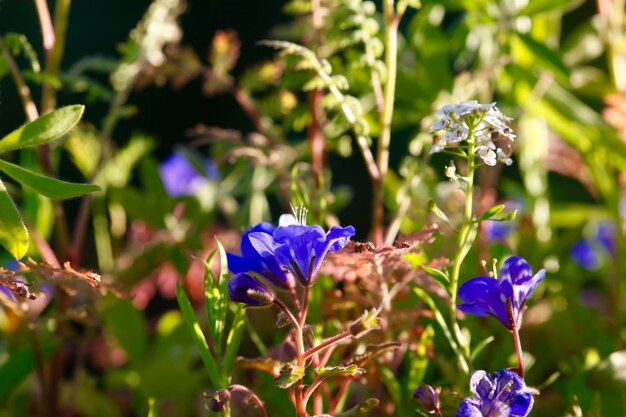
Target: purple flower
{"x":498,"y":230}
{"x":585,"y":254}
{"x":589,"y":253}
{"x":428,"y":397}
{"x":181,"y":178}
{"x":499,"y":395}
{"x":503,"y":298}
{"x":291,"y":247}
{"x":252,"y":262}
{"x":244,"y":288}
{"x":300,"y":249}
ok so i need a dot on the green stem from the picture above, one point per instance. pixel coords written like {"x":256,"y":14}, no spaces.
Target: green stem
{"x":463,"y":245}
{"x":392,"y":20}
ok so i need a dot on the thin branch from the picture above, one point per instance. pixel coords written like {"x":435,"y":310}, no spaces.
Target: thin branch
{"x":250,"y":394}
{"x":30,"y":109}
{"x":47,"y":30}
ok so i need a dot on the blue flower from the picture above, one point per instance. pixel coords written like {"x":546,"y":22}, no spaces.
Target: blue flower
{"x":503,"y":298}
{"x":301,"y":249}
{"x":499,"y":395}
{"x":498,"y":230}
{"x":291,"y":247}
{"x":244,"y":288}
{"x":252,"y":262}
{"x":589,"y":253}
{"x":181,"y":178}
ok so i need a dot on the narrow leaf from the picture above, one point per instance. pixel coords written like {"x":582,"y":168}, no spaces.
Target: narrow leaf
{"x":548,"y":6}
{"x":198,"y":337}
{"x":232,"y":343}
{"x":545,"y":57}
{"x":443,"y":324}
{"x":393,"y":386}
{"x":481,"y":346}
{"x":439,"y":276}
{"x":50,"y":187}
{"x":330,"y":371}
{"x":491,"y":212}
{"x":362,"y":409}
{"x":13,"y":233}
{"x":211,"y":302}
{"x":43,"y":130}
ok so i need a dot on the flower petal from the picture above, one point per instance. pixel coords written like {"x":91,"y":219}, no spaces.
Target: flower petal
{"x":467,"y":408}
{"x":522,"y":404}
{"x":516,"y":270}
{"x":483,"y":296}
{"x":244,"y":288}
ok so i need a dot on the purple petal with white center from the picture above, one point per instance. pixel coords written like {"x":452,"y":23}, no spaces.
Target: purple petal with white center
{"x":499,"y":395}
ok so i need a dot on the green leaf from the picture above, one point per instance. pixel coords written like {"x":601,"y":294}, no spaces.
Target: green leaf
{"x":289,"y":375}
{"x":215,"y":299}
{"x":331,"y":371}
{"x":128,"y":326}
{"x":546,"y":6}
{"x":439,"y":276}
{"x":491,"y":212}
{"x":362,"y":409}
{"x":13,"y":233}
{"x":434,"y":208}
{"x":198,"y":337}
{"x":393,"y":386}
{"x":545,"y":57}
{"x":43,"y":130}
{"x":232,"y":343}
{"x":427,"y":299}
{"x":468,"y":236}
{"x":50,"y":187}
{"x":481,"y":346}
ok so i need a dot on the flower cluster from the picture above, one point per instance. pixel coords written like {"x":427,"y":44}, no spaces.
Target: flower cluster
{"x":505,"y":297}
{"x":278,"y":256}
{"x":482,"y":124}
{"x":502,"y":394}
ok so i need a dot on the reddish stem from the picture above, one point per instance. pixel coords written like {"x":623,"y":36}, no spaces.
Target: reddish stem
{"x":515,"y":330}
{"x":327,"y":343}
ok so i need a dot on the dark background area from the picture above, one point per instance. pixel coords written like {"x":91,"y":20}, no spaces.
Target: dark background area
{"x":97,"y":28}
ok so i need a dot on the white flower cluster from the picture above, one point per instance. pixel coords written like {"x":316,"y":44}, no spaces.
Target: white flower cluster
{"x":485,"y":123}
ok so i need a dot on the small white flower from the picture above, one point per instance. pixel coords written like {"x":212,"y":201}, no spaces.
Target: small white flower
{"x":503,"y":157}
{"x":486,"y":123}
{"x":487,"y":155}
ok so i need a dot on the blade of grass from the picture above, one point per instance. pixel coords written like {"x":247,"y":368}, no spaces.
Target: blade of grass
{"x":198,"y":337}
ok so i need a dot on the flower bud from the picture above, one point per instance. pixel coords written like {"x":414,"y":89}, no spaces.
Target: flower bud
{"x":219,"y":400}
{"x":428,"y":397}
{"x":244,"y":288}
